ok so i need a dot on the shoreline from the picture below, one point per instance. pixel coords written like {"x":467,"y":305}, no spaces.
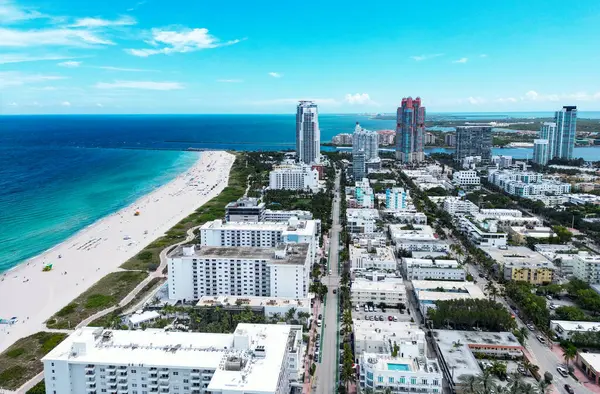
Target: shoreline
{"x":101,"y":247}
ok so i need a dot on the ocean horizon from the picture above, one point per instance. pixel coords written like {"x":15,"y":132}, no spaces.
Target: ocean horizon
{"x":61,"y":173}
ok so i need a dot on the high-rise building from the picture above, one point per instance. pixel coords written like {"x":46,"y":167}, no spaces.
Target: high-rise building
{"x":474,"y":141}
{"x":367,"y":141}
{"x":359,"y":169}
{"x":541,"y":151}
{"x":566,"y":128}
{"x":410,"y":128}
{"x":308,"y":134}
{"x":450,"y":139}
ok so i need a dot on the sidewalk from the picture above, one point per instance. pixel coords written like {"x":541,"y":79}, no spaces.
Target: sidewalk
{"x":316,"y":309}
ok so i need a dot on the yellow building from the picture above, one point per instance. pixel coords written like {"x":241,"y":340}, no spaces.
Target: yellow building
{"x":530,"y":273}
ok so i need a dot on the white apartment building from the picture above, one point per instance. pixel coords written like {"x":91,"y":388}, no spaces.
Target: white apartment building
{"x":396,"y":198}
{"x":427,"y":269}
{"x":390,"y":291}
{"x":527,"y":184}
{"x":362,"y":221}
{"x":502,"y":161}
{"x":363,"y":193}
{"x":195,"y":271}
{"x":587,"y":268}
{"x":457,"y":206}
{"x":470,"y":162}
{"x":416,"y":238}
{"x":483,"y":233}
{"x":565,"y":328}
{"x":294,"y":177}
{"x":468,"y":180}
{"x":256,"y":358}
{"x":408,"y":216}
{"x":379,"y":371}
{"x":262,"y":235}
{"x":271,"y":215}
{"x":379,"y":258}
{"x":501,"y":213}
{"x":379,"y":337}
{"x":428,"y":292}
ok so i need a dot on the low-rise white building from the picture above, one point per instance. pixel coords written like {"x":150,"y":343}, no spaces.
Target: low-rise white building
{"x":389,"y":291}
{"x":294,"y":177}
{"x":408,"y":216}
{"x":587,"y":267}
{"x":428,"y":292}
{"x":380,"y":258}
{"x":582,"y":199}
{"x":269,"y":306}
{"x":483,"y":233}
{"x":380,"y":336}
{"x":195,"y":271}
{"x":458,"y":206}
{"x":417,"y":238}
{"x":362,"y":221}
{"x":467,"y":180}
{"x":140,"y":318}
{"x":380,"y":371}
{"x":271,"y":215}
{"x":564,"y":328}
{"x":519,"y":234}
{"x":428,"y":269}
{"x":256,"y":358}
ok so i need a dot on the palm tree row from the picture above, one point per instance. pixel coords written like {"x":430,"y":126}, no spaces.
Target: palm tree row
{"x":486,"y":383}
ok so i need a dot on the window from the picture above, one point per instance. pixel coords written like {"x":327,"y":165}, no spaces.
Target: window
{"x":391,"y":380}
{"x":413,"y":380}
{"x":402,"y":380}
{"x":380,"y":379}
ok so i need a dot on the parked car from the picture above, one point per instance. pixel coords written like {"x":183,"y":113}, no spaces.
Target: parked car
{"x":334,"y":291}
{"x":390,"y":318}
{"x":357,"y":308}
{"x":395,"y":318}
{"x":549,"y":297}
{"x":381,"y":318}
{"x":370,"y":309}
{"x":320,"y":316}
{"x":569,"y":389}
{"x":541,"y":339}
{"x":531,"y":327}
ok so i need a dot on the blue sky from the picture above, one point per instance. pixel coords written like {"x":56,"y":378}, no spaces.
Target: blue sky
{"x":185,"y":56}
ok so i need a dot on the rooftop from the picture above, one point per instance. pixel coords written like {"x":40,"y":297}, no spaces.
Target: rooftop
{"x":237,"y":358}
{"x":364,"y":213}
{"x":208,"y":301}
{"x":245,"y":202}
{"x":388,"y":284}
{"x":518,"y":256}
{"x":384,"y":362}
{"x":591,"y":359}
{"x":282,"y":254}
{"x":384,"y":330}
{"x":435,"y":290}
{"x":414,"y":262}
{"x":576,"y":325}
{"x":291,"y":225}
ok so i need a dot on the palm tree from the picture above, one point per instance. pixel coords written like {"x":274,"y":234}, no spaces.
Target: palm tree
{"x":469,"y":382}
{"x":544,"y":386}
{"x":491,"y":290}
{"x":524,"y":333}
{"x":347,"y":321}
{"x":486,"y":380}
{"x":569,"y":353}
{"x":289,"y":315}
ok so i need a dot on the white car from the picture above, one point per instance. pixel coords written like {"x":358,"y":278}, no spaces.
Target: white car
{"x":562,"y":371}
{"x":357,"y":308}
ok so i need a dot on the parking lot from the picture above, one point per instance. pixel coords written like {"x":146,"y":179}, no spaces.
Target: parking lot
{"x":393,"y":312}
{"x":511,"y":368}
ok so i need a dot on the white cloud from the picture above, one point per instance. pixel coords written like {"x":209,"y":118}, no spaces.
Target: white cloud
{"x":358,"y":98}
{"x":65,"y":104}
{"x":426,"y":57}
{"x":483,"y":55}
{"x":98,"y":22}
{"x":13,"y":78}
{"x":10,"y":13}
{"x":186,"y":40}
{"x":99,"y":105}
{"x":275,"y":75}
{"x":42,"y":37}
{"x":133,"y":70}
{"x":230,"y":80}
{"x":147,"y":85}
{"x":532,"y":95}
{"x":6,"y":58}
{"x":476,"y":100}
{"x":507,"y":100}
{"x":13,"y":104}
{"x":70,"y":64}
{"x":461,"y":60}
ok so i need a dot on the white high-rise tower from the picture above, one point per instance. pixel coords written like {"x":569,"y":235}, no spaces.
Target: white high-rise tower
{"x":308,"y":135}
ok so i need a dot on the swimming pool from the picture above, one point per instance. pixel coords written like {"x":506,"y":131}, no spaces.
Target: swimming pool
{"x":398,"y":367}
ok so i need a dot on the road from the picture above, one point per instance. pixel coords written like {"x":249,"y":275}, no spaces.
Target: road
{"x":326,"y":372}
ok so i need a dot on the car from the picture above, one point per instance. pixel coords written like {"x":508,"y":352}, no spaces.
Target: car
{"x":334,"y":291}
{"x":569,"y":389}
{"x":318,"y":323}
{"x":553,"y":306}
{"x":381,"y":318}
{"x":371,"y":318}
{"x":549,"y":297}
{"x":366,"y":308}
{"x":390,"y":318}
{"x":541,"y":339}
{"x":562,"y":371}
{"x":481,"y":275}
{"x":320,"y":316}
{"x":370,"y":309}
{"x":395,"y":318}
{"x":329,"y":272}
{"x":357,"y":308}
{"x":375,"y":309}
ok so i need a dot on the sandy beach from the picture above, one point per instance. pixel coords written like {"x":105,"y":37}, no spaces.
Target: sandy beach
{"x":31,"y":295}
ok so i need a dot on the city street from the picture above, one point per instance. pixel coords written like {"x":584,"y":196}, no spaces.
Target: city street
{"x":327,"y":368}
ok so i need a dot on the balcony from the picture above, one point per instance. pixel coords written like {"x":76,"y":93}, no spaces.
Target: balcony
{"x":90,"y":376}
{"x":89,"y":368}
{"x":91,"y":388}
{"x":195,"y":375}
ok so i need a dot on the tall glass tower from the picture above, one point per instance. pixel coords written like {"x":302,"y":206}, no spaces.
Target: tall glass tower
{"x":308,"y":134}
{"x":410,"y":129}
{"x":566,"y":128}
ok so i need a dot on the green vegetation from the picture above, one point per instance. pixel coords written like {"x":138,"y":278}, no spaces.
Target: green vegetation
{"x":39,"y":388}
{"x":531,"y":305}
{"x":319,"y":203}
{"x":113,"y":319}
{"x":21,"y":361}
{"x":468,"y":313}
{"x":584,"y":296}
{"x":105,"y":293}
{"x":486,"y":382}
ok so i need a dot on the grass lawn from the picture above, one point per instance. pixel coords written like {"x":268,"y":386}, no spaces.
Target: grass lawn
{"x":107,"y":292}
{"x":113,"y":319}
{"x":148,"y":258}
{"x":21,"y":361}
